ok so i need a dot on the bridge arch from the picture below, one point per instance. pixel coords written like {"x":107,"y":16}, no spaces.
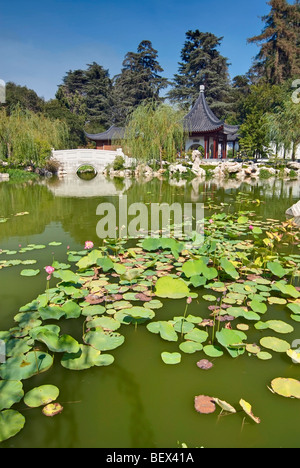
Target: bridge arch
{"x":71,"y":160}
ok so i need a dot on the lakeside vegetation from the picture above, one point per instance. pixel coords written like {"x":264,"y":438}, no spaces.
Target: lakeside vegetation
{"x":264,"y":101}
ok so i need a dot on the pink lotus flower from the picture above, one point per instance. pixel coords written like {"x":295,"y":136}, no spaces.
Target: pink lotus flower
{"x":210,"y":221}
{"x":88,"y":245}
{"x":251,"y":227}
{"x":189,"y":300}
{"x":49,"y":269}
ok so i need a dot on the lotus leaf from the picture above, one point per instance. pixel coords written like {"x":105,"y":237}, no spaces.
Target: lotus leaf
{"x":204,"y":404}
{"x":289,"y":388}
{"x":62,"y":344}
{"x":252,"y":348}
{"x":71,"y":310}
{"x":30,"y":272}
{"x":40,"y":396}
{"x":248,"y":410}
{"x":91,"y":310}
{"x":276,"y":269}
{"x":11,"y":422}
{"x":224,"y":405}
{"x":277,"y":300}
{"x":11,"y":392}
{"x":204,"y":364}
{"x":51,"y":313}
{"x":171,"y":358}
{"x":275,"y":344}
{"x":243,"y":312}
{"x":25,"y":366}
{"x":154,"y":304}
{"x":52,"y":409}
{"x":85,"y":358}
{"x":279,"y":326}
{"x":264,"y":356}
{"x":287,"y":289}
{"x":172,"y":288}
{"x":190,"y":347}
{"x":88,"y":260}
{"x":294,"y":307}
{"x":229,"y":268}
{"x":199,"y":336}
{"x":232,"y":340}
{"x":102,"y":340}
{"x":17,"y":346}
{"x":258,"y":307}
{"x":105,"y":322}
{"x":182,"y":326}
{"x":138,"y":313}
{"x":35,"y":331}
{"x":213,"y":351}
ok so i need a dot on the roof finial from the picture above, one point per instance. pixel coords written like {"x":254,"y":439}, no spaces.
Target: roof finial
{"x":202,"y":89}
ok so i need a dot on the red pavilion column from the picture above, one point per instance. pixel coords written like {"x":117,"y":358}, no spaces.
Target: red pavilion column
{"x":215,"y":155}
{"x":206,"y":147}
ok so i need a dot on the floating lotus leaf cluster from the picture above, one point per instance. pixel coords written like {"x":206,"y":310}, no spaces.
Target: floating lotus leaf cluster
{"x":228,"y":282}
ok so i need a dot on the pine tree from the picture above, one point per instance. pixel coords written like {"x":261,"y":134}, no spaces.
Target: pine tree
{"x":97,"y":97}
{"x":278,"y":58}
{"x":87,"y":93}
{"x":139,"y":81}
{"x":202,"y":64}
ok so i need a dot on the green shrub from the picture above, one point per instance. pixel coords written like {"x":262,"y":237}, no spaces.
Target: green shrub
{"x":118,"y":163}
{"x":264,"y":174}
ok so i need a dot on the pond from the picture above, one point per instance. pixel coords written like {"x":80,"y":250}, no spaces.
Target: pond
{"x":139,"y":401}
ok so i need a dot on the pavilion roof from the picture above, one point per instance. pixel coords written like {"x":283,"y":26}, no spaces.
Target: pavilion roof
{"x":201,"y":119}
{"x":113,"y":133}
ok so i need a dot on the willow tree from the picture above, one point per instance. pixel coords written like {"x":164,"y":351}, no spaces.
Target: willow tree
{"x":26,"y":137}
{"x":284,"y":126}
{"x":154,"y":131}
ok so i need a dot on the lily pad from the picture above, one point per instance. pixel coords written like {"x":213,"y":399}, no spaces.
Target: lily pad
{"x":103,"y":340}
{"x":11,"y":392}
{"x":86,"y":358}
{"x":248,"y":410}
{"x":172,"y":288}
{"x":25,"y":366}
{"x":165,"y":329}
{"x":171,"y":358}
{"x":213,"y":351}
{"x":40,"y":396}
{"x":29,"y":272}
{"x":190,"y":347}
{"x":204,"y":404}
{"x":289,"y":388}
{"x":275,"y":344}
{"x":56,"y":344}
{"x":11,"y":422}
{"x":52,"y":409}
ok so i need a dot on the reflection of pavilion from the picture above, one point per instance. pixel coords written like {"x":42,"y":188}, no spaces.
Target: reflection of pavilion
{"x":206,"y":130}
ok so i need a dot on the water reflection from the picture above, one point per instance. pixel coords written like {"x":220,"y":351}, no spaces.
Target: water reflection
{"x":70,"y":204}
{"x":73,"y":186}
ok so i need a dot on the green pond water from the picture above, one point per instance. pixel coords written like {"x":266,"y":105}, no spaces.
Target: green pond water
{"x":139,"y":401}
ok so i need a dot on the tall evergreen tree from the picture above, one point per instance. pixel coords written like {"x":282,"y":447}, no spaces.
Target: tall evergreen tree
{"x":202,"y":64}
{"x":140,"y":81}
{"x":87,"y":93}
{"x":278,"y":58}
{"x":97,"y":97}
{"x":23,"y":97}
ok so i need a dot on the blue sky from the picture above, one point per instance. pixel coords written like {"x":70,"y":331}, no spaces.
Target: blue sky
{"x":40,"y":40}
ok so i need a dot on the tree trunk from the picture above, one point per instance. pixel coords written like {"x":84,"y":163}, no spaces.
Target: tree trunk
{"x":160,"y":157}
{"x":294,"y":152}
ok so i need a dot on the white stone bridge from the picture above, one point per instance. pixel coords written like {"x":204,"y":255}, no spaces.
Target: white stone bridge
{"x":71,"y":160}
